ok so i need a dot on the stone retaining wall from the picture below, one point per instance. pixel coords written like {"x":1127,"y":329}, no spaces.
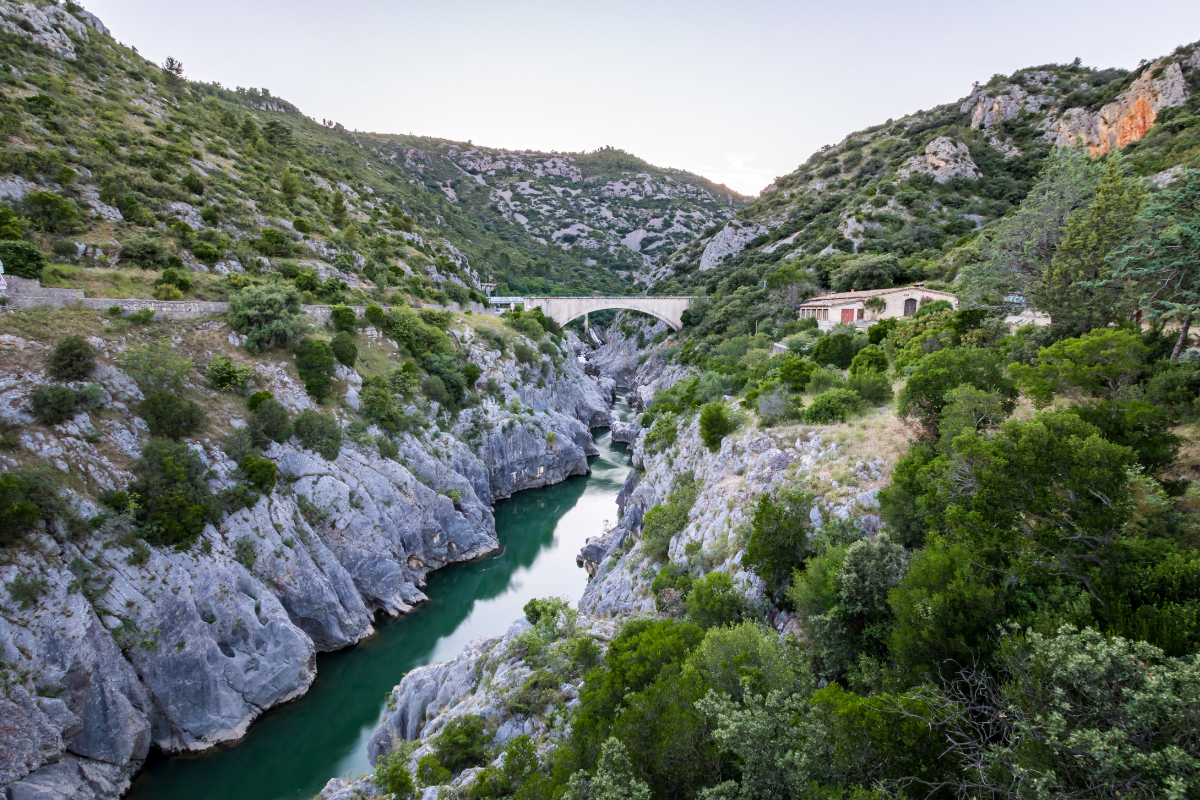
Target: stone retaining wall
{"x":24,"y":293}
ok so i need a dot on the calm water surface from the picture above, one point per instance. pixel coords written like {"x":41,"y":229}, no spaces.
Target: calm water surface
{"x":292,"y":751}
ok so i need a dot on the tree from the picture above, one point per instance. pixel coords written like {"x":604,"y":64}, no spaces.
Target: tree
{"x":173,"y":67}
{"x":337,"y":210}
{"x":614,"y":779}
{"x":1076,"y":289}
{"x":52,"y":405}
{"x":319,"y":432}
{"x":870,"y":359}
{"x":168,"y":415}
{"x":970,"y":409}
{"x":936,"y":375}
{"x":714,"y":601}
{"x":72,"y":359}
{"x":174,"y":501}
{"x":316,"y":364}
{"x":22,"y":259}
{"x":1102,"y":363}
{"x":147,"y":251}
{"x":778,"y":545}
{"x":795,"y":371}
{"x":715,"y":423}
{"x":1065,"y":715}
{"x":836,"y":349}
{"x":392,"y":775}
{"x":867,"y":272}
{"x":269,"y":316}
{"x":842,"y":596}
{"x":1163,"y":262}
{"x":289,"y":186}
{"x":344,"y":349}
{"x":1010,"y":271}
{"x":1051,"y":493}
{"x":269,"y":422}
{"x":51,"y":213}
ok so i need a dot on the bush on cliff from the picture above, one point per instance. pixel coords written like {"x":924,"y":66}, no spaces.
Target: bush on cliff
{"x":320,"y":433}
{"x":715,"y":423}
{"x":52,"y":405}
{"x":170,"y":416}
{"x":174,"y":501}
{"x":72,"y":359}
{"x":462,"y":743}
{"x":22,"y":260}
{"x":269,"y":316}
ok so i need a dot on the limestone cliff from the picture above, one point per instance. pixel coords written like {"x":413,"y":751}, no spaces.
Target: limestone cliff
{"x":182,"y":650}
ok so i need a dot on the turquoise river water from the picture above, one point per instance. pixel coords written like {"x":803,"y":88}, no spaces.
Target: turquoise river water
{"x":291,"y":751}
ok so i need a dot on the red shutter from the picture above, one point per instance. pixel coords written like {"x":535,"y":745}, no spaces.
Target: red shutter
{"x":847,"y":315}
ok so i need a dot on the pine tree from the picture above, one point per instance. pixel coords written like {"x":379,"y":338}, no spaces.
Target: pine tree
{"x":1164,"y":261}
{"x":1076,"y":289}
{"x":337,"y":214}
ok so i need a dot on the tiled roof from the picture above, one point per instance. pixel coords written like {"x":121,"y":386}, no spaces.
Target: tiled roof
{"x":841,"y":297}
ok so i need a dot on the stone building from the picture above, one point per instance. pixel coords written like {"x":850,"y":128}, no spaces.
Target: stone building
{"x":851,"y":307}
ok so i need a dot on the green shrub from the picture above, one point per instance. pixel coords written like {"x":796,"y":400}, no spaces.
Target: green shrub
{"x":779,"y":537}
{"x":715,"y":424}
{"x":50,"y":213}
{"x":796,"y":371}
{"x":874,"y":388}
{"x":206,"y":253}
{"x":91,"y":397}
{"x":269,"y":316}
{"x":26,"y":590}
{"x":933,"y":307}
{"x":471,"y":373}
{"x":244,"y":552}
{"x":672,"y":576}
{"x":169,"y":416}
{"x":145,"y":250}
{"x":52,"y":405}
{"x":224,"y":373}
{"x":662,"y":435}
{"x":877,"y":333}
{"x":836,"y":405}
{"x":172,"y":493}
{"x":142,"y":317}
{"x":72,"y":359}
{"x":525,"y":354}
{"x":19,"y":510}
{"x":824,"y":379}
{"x":175,"y":277}
{"x":430,"y":772}
{"x":260,"y":472}
{"x":22,"y":260}
{"x":388,"y":448}
{"x":301,"y":225}
{"x":193,"y":183}
{"x":462,"y":743}
{"x":155,"y":367}
{"x":374,"y":315}
{"x":257,"y":399}
{"x":537,"y":608}
{"x":870,"y":359}
{"x":713,"y":601}
{"x":663,"y":522}
{"x":342,"y":319}
{"x":316,"y":365}
{"x":319,"y":433}
{"x":344,"y":349}
{"x":435,"y":390}
{"x":834,"y":350}
{"x":270,"y":422}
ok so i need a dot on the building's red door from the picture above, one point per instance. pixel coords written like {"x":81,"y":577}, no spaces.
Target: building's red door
{"x":847,"y":315}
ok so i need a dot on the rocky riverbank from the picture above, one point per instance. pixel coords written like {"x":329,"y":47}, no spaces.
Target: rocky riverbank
{"x":490,"y":673}
{"x":182,"y":650}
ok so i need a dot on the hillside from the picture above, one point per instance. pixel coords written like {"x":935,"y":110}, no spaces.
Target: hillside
{"x":923,"y":187}
{"x":606,"y":207}
{"x":112,"y":159}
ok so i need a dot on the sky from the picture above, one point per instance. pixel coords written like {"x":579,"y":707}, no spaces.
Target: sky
{"x":739,"y":92}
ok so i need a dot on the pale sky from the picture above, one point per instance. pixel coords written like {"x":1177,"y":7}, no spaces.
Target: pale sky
{"x":737,"y":92}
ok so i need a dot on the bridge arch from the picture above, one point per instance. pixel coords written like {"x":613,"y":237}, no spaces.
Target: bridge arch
{"x":564,"y":309}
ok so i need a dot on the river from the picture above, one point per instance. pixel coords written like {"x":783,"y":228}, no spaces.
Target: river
{"x":292,"y":751}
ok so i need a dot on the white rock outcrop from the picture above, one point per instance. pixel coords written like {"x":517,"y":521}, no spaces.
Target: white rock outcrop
{"x":944,"y":159}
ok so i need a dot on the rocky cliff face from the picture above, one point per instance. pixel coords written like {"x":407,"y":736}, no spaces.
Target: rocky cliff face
{"x":1131,"y":115}
{"x":944,"y":159}
{"x":185,"y":649}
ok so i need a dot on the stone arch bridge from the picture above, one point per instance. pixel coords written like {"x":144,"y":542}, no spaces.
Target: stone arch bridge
{"x":564,"y":309}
